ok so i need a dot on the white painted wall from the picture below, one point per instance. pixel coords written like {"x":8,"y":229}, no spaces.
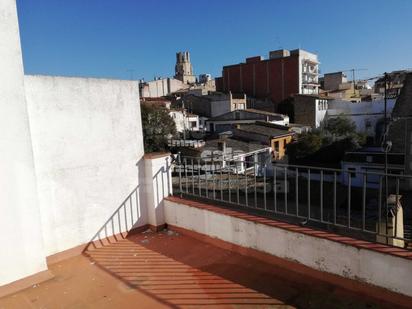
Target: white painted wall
{"x":88,"y":150}
{"x":22,"y":252}
{"x":321,"y":108}
{"x":361,"y":113}
{"x":184,"y":121}
{"x":321,"y":254}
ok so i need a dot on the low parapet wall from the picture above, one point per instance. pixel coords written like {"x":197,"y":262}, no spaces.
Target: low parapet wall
{"x":373,"y":264}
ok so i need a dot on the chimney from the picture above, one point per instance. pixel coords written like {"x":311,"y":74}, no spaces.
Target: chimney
{"x":221,"y":145}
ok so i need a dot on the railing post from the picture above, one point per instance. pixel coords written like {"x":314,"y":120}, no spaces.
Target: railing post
{"x":228,"y":181}
{"x":365,"y":178}
{"x":349,"y":196}
{"x":264,"y":186}
{"x":308,"y":194}
{"x":297,"y":190}
{"x":179,"y":159}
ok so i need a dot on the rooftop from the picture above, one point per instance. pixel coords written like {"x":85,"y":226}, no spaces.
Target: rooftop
{"x":264,"y":130}
{"x":235,"y":144}
{"x":252,"y":112}
{"x":171,"y":270}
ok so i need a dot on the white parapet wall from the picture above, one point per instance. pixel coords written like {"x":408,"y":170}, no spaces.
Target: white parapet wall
{"x":157,"y":185}
{"x":22,"y":252}
{"x":88,"y":153}
{"x":379,"y":269}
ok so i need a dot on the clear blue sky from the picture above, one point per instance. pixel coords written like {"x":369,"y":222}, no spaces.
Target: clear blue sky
{"x":105,"y":38}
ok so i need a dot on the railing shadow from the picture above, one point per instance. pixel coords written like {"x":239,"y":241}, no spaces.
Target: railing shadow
{"x":127,"y":217}
{"x":183,"y":272}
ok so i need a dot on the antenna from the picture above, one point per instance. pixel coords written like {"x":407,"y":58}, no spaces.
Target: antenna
{"x":353,"y":76}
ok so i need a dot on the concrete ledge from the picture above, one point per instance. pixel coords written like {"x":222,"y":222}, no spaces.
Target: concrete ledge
{"x":25,"y":283}
{"x":355,"y":265}
{"x":360,"y":244}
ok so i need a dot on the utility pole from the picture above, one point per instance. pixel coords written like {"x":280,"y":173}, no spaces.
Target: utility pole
{"x":386,"y":123}
{"x":385,"y":150}
{"x":353,"y":77}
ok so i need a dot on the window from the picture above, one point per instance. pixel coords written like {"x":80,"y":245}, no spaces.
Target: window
{"x":276,"y":146}
{"x":193,"y":124}
{"x":352,"y":172}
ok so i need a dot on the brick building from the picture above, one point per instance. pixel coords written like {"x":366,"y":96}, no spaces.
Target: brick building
{"x":283,"y":74}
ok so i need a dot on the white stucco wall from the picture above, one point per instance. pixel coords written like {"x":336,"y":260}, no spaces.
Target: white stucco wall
{"x":384,"y":270}
{"x":361,"y":113}
{"x":88,"y":150}
{"x":21,"y":252}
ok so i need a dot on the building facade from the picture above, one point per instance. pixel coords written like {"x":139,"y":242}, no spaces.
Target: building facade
{"x":214,"y":104}
{"x":184,"y":121}
{"x":283,"y":74}
{"x":160,"y":87}
{"x":275,"y":136}
{"x":309,"y":110}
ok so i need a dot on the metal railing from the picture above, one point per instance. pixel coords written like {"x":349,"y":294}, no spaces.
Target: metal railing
{"x":361,"y":204}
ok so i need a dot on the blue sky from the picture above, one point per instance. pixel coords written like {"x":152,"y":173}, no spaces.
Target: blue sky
{"x":106,"y":38}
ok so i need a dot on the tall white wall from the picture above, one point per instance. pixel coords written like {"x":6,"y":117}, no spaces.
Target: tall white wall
{"x":88,"y":151}
{"x":22,"y":252}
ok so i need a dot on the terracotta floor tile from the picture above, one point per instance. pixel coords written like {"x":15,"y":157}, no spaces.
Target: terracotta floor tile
{"x":170,"y":270}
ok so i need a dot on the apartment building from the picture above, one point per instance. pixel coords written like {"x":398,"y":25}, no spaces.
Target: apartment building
{"x":283,"y":74}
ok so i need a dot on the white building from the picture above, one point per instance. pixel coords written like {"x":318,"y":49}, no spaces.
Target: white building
{"x":160,"y":87}
{"x":308,"y":72}
{"x":367,"y":115}
{"x":184,"y":121}
{"x":310,"y":109}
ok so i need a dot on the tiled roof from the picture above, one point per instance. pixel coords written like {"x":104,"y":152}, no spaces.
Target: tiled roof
{"x":251,"y":111}
{"x":235,"y":144}
{"x":264,"y":130}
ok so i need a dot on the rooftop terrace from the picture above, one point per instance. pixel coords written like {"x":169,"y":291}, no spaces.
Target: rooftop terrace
{"x":173,"y":270}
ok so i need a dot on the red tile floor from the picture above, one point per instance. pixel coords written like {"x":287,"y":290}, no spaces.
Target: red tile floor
{"x":171,"y":270}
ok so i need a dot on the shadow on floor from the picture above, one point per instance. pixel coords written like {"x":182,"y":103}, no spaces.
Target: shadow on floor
{"x":180,"y":271}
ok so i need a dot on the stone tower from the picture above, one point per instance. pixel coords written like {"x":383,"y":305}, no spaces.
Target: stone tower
{"x":183,"y":68}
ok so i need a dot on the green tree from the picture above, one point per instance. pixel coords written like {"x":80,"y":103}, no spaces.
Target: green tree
{"x":343,"y":128}
{"x":307,"y":144}
{"x":340,"y":126}
{"x":158,"y":126}
{"x":337,"y":136}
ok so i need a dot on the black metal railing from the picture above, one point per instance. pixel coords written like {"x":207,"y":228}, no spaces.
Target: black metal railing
{"x":357,"y":203}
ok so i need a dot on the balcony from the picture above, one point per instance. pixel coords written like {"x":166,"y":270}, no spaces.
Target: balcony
{"x":363,"y":205}
{"x":276,"y":235}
